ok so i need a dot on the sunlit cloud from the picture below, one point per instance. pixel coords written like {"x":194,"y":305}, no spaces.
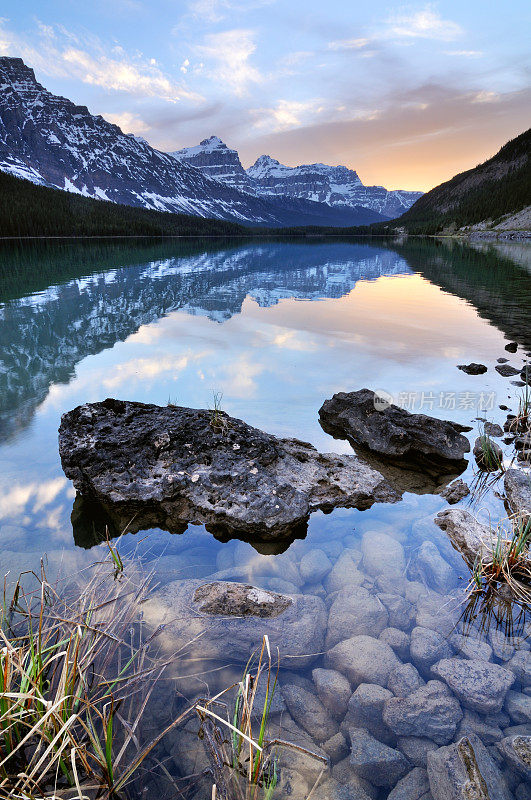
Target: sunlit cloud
{"x":60,"y":53}
{"x":217,"y":10}
{"x":228,"y":53}
{"x":14,"y":500}
{"x":239,"y":380}
{"x":486,"y":97}
{"x":286,"y":114}
{"x":127,"y":122}
{"x":424,"y":24}
{"x":148,"y":368}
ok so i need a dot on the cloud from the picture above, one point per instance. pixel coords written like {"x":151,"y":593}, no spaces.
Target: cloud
{"x":486,"y":97}
{"x":286,"y":114}
{"x":349,"y":44}
{"x":464,"y":53}
{"x":129,"y":123}
{"x":216,"y":10}
{"x":228,"y":53}
{"x":60,"y":53}
{"x":425,"y":24}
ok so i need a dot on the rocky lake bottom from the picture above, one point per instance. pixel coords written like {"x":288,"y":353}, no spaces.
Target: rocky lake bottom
{"x":387,"y":671}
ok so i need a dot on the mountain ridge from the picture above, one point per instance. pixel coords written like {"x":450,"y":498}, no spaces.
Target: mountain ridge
{"x":51,"y":141}
{"x":338,"y":187}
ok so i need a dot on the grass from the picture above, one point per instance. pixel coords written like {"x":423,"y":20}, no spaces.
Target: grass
{"x":506,"y":567}
{"x":76,"y":674}
{"x":218,"y":418}
{"x":489,"y":459}
{"x":245,"y":764}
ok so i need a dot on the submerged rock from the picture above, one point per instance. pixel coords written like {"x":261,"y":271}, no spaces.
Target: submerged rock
{"x":472,"y":368}
{"x":430,"y":711}
{"x":196,"y":621}
{"x":376,"y":762}
{"x":517,"y":751}
{"x":168,"y":466}
{"x":517,"y":485}
{"x":393,"y":432}
{"x":479,"y":685}
{"x":465,"y":771}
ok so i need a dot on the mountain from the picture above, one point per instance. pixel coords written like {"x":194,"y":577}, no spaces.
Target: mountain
{"x":495,"y":194}
{"x":216,"y":160}
{"x":53,"y":142}
{"x":337,"y":187}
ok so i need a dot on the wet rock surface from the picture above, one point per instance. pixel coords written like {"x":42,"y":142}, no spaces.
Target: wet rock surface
{"x":465,"y":771}
{"x":237,"y":600}
{"x":466,"y":534}
{"x":472,"y":368}
{"x":455,"y":491}
{"x":393,"y":432}
{"x":506,"y":370}
{"x":168,"y":466}
{"x":480,"y":685}
{"x":517,"y":485}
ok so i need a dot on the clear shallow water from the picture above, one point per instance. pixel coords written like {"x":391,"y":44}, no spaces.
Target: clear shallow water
{"x":276,"y":328}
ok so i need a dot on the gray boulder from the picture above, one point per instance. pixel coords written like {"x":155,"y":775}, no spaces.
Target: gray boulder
{"x":355,"y":612}
{"x":469,"y":647}
{"x":414,"y":786}
{"x":427,"y":647}
{"x":308,"y":712}
{"x":314,"y":566}
{"x":385,"y":429}
{"x":376,"y":762}
{"x":479,"y":685}
{"x":404,"y":680}
{"x":520,"y":664}
{"x":488,"y":732}
{"x":365,"y":710}
{"x":333,"y":690}
{"x":398,"y":640}
{"x":434,"y":570}
{"x":465,"y":771}
{"x":430,"y":711}
{"x":298,"y":631}
{"x":467,"y":535}
{"x":363,"y":660}
{"x":517,"y":485}
{"x":506,"y":370}
{"x":517,"y":751}
{"x":382,"y":554}
{"x":172,"y":466}
{"x":518,"y":706}
{"x":416,"y":749}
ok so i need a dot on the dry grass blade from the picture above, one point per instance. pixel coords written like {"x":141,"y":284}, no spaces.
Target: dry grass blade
{"x":76,"y":674}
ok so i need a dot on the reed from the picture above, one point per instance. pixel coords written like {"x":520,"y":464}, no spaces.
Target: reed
{"x":77,"y":670}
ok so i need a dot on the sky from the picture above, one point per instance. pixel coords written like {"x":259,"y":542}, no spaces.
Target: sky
{"x":406,"y":94}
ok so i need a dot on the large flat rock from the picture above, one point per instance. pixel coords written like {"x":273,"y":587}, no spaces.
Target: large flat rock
{"x":390,"y":431}
{"x":168,"y":466}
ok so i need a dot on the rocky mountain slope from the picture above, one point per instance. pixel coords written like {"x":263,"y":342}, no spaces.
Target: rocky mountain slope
{"x":338,"y":187}
{"x":480,"y":197}
{"x":51,"y":141}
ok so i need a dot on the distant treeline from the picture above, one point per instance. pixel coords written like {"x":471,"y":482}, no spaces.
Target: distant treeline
{"x":30,"y":210}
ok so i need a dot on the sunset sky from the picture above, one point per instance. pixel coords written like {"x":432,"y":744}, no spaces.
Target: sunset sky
{"x":408,"y":95}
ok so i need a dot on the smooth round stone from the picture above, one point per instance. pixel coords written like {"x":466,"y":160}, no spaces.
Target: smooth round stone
{"x":430,"y":711}
{"x":427,"y":647}
{"x":374,"y":761}
{"x":355,"y":612}
{"x":398,"y":640}
{"x":308,"y":712}
{"x":344,"y":573}
{"x":314,"y":566}
{"x":403,"y":680}
{"x":363,"y":660}
{"x":518,"y":706}
{"x":382,"y":554}
{"x":416,"y":749}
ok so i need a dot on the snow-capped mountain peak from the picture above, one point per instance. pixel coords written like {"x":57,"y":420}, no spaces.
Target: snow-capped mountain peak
{"x":49,"y":140}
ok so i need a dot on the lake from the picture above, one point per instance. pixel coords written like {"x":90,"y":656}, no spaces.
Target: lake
{"x":273,"y":328}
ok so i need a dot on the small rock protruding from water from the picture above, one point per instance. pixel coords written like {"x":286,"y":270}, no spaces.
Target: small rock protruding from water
{"x":473,"y":368}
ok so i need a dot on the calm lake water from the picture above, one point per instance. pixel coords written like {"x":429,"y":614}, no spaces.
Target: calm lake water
{"x":276,"y":328}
